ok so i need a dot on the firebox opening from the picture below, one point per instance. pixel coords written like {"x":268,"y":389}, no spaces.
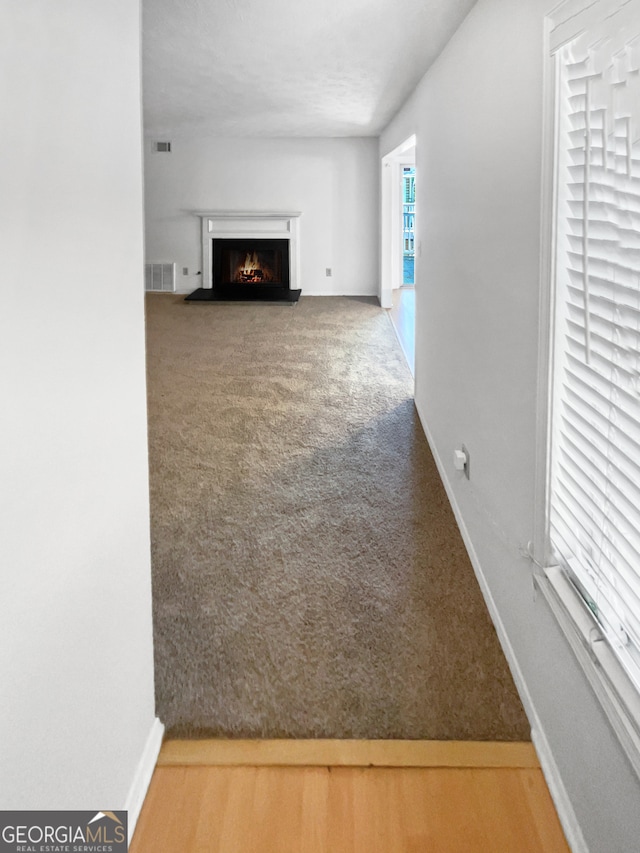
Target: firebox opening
{"x":251,"y":268}
{"x":260,"y":266}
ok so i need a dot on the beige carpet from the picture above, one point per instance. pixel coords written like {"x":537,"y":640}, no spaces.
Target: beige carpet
{"x":308,"y":576}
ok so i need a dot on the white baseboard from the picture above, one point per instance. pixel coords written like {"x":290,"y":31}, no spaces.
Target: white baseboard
{"x":561,"y":801}
{"x":143,"y":774}
{"x":549,"y":767}
{"x":412,"y":369}
{"x":482,"y":581}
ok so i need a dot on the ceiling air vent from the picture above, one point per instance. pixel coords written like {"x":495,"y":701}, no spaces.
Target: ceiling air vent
{"x":163,"y":147}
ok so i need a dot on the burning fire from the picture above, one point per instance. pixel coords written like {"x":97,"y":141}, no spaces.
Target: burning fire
{"x":254,"y":270}
{"x":251,"y":264}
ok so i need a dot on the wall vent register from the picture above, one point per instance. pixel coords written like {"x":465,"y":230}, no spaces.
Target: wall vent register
{"x":160,"y":278}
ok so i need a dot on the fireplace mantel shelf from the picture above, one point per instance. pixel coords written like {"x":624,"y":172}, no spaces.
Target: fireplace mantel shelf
{"x":247,"y":214}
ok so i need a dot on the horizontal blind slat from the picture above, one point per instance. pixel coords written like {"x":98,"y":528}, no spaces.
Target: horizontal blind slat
{"x":595,"y":462}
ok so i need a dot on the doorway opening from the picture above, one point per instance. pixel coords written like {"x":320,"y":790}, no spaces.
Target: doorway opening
{"x":408,"y":225}
{"x":399,"y":248}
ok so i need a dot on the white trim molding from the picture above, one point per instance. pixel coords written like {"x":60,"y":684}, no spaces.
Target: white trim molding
{"x":559,"y":795}
{"x":494,"y":612}
{"x":258,"y":224}
{"x":143,"y":774}
{"x":391,"y":218}
{"x":611,"y":684}
{"x":553,"y":778}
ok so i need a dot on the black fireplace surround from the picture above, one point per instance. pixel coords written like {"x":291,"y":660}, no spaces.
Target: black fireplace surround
{"x":249,"y":269}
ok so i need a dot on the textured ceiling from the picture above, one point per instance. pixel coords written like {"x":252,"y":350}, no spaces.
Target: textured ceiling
{"x":287,"y":67}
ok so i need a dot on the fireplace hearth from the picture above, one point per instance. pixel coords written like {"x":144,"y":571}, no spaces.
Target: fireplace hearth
{"x":249,"y":269}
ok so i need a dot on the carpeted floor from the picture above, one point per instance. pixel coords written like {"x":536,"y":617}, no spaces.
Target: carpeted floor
{"x":308,"y":576}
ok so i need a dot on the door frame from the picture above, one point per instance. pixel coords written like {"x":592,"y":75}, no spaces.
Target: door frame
{"x":391,"y":218}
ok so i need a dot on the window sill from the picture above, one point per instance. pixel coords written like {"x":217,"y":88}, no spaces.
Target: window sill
{"x":617,"y":695}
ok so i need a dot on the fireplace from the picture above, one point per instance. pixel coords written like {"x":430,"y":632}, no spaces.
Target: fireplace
{"x":249,"y":255}
{"x":250,"y":268}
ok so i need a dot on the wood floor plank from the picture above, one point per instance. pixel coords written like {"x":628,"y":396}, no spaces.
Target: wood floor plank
{"x":354,"y":753}
{"x":266,"y":809}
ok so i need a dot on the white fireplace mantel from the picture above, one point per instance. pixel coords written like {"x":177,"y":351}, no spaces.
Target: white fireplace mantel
{"x":238,"y":224}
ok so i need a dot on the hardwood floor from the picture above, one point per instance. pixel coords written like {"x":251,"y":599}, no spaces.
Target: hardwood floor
{"x":275,"y":805}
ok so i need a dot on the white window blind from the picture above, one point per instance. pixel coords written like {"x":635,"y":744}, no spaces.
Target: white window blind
{"x":594,"y":492}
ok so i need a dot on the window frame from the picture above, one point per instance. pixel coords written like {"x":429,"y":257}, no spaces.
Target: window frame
{"x":611,"y":684}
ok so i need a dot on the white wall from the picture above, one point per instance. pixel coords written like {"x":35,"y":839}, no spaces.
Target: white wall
{"x":333,"y":182}
{"x":76,"y":667}
{"x":477,"y":116}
